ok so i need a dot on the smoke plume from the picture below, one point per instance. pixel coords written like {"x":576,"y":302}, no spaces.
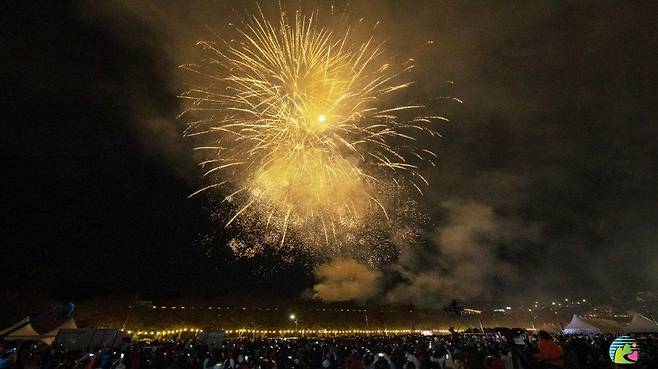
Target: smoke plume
{"x":346,"y":279}
{"x":467,"y":257}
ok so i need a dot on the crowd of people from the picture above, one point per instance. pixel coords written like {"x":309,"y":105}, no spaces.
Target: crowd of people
{"x":471,"y":351}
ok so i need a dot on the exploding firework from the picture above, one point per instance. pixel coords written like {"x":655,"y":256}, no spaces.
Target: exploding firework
{"x":299,"y":129}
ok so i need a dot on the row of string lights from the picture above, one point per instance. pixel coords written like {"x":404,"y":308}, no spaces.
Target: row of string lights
{"x":261,"y":309}
{"x":245,"y":331}
{"x":165,"y":332}
{"x":537,"y":305}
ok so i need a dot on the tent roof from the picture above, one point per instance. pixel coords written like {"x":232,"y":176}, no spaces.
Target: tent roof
{"x":640,"y":323}
{"x":607,"y":325}
{"x":68,"y":324}
{"x":25,"y":333}
{"x":13,"y":326}
{"x":550,"y":327}
{"x":580,"y":325}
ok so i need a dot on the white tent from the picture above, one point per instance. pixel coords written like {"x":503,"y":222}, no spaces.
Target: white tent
{"x":50,"y":336}
{"x":607,"y":325}
{"x":13,"y":326}
{"x":25,"y":333}
{"x":641,"y":324}
{"x":550,"y":327}
{"x":578,"y":325}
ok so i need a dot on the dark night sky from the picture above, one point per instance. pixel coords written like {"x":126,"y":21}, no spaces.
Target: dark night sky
{"x":558,"y":128}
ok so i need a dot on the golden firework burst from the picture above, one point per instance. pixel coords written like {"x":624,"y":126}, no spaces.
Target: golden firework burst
{"x":298,"y":125}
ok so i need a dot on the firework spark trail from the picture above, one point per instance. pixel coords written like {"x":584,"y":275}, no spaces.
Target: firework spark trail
{"x":296,"y":123}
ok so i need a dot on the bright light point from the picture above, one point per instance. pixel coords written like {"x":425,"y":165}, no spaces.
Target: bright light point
{"x":292,"y":316}
{"x":322,"y":118}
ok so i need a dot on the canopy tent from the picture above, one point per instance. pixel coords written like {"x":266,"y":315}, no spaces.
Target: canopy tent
{"x":550,"y":328}
{"x":578,"y":325}
{"x":641,"y":324}
{"x":607,"y":325}
{"x":13,"y":326}
{"x":24,"y":333}
{"x":50,"y":336}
